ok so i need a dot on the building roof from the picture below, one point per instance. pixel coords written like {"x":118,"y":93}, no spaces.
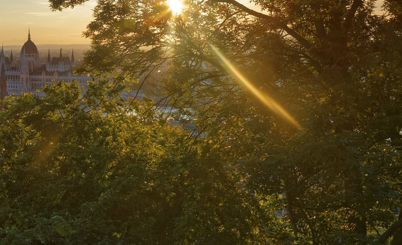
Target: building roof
{"x":29,"y":46}
{"x":42,"y":71}
{"x":57,"y":60}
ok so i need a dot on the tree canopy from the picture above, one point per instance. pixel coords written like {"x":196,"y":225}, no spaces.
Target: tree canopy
{"x":245,"y":175}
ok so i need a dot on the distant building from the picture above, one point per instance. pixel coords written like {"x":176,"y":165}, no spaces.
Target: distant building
{"x":29,"y":75}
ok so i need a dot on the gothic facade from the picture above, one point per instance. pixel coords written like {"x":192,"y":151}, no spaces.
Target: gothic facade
{"x":28,"y":74}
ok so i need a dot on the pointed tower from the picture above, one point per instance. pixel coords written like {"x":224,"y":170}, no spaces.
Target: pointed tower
{"x":61,"y":53}
{"x":31,"y":53}
{"x":24,"y":62}
{"x":2,"y":57}
{"x":48,"y":56}
{"x":72,"y":56}
{"x":11,"y":58}
{"x":3,"y":78}
{"x":73,"y":64}
{"x":24,"y":71}
{"x":3,"y":81}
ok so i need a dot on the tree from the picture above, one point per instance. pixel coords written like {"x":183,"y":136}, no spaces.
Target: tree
{"x":332,"y":64}
{"x":95,"y":169}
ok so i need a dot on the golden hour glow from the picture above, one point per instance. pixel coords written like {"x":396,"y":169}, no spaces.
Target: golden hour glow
{"x":47,"y":27}
{"x":176,"y":6}
{"x":264,"y":98}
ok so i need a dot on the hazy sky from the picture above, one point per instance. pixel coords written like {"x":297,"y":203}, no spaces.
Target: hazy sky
{"x":47,"y":27}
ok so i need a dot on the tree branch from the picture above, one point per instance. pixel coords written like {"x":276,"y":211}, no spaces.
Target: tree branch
{"x":351,"y":14}
{"x":390,"y":231}
{"x":319,"y":26}
{"x":274,"y":21}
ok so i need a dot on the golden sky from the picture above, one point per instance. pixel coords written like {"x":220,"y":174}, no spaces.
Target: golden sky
{"x":47,"y":27}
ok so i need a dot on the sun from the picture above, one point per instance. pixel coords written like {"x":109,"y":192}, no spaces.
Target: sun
{"x":176,"y":6}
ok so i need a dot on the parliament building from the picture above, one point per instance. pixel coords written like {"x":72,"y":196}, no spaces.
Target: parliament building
{"x":29,"y":74}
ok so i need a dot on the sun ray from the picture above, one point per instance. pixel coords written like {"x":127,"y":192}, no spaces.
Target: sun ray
{"x":176,"y":6}
{"x":264,"y":98}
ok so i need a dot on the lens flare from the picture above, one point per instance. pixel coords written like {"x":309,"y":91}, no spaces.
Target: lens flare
{"x":176,"y":6}
{"x":264,"y":98}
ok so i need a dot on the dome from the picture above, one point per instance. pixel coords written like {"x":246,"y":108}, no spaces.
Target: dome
{"x":29,"y":46}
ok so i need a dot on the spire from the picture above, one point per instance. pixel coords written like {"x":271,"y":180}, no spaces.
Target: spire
{"x":2,"y":54}
{"x":61,"y":53}
{"x":11,"y":57}
{"x":3,"y":81}
{"x":72,"y":56}
{"x":48,"y":56}
{"x":29,"y":33}
{"x":23,"y":54}
{"x":24,"y":62}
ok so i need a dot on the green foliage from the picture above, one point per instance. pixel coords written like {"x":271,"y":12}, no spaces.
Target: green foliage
{"x":83,"y":170}
{"x":60,"y":4}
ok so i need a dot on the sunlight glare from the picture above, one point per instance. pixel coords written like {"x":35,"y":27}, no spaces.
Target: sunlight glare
{"x":176,"y":6}
{"x":264,"y":98}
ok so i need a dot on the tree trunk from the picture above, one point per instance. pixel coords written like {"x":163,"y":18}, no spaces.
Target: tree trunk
{"x":353,"y":192}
